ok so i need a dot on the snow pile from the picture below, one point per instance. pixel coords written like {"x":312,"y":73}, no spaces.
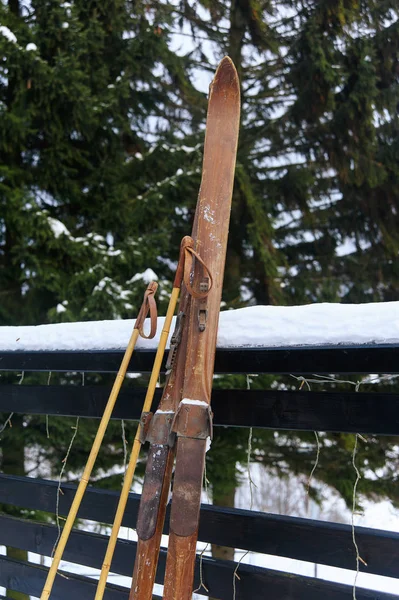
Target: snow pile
{"x":147,"y":276}
{"x":258,"y":326}
{"x":8,"y":34}
{"x":58,"y":228}
{"x":312,"y":324}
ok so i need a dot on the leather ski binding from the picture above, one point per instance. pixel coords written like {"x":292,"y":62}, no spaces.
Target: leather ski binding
{"x":148,"y":511}
{"x":159,"y":435}
{"x":160,"y":430}
{"x":193,"y":420}
{"x":156,"y":428}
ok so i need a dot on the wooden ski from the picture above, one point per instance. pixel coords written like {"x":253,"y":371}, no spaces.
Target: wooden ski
{"x":159,"y":466}
{"x":193,"y":419}
{"x":192,"y":358}
{"x":161,"y":455}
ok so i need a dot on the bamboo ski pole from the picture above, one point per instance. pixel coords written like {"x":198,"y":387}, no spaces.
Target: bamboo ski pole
{"x":186,"y":244}
{"x":147,"y":306}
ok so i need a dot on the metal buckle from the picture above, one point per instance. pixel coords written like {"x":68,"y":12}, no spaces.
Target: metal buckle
{"x":175,"y":341}
{"x":203,"y":304}
{"x":145,"y":421}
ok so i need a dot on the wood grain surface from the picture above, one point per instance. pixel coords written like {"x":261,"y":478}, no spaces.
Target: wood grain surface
{"x":213,"y":210}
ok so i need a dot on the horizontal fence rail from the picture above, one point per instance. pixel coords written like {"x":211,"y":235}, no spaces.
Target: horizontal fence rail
{"x":291,"y":537}
{"x":293,"y":359}
{"x":88,"y":549}
{"x":348,"y":412}
{"x":29,"y":579}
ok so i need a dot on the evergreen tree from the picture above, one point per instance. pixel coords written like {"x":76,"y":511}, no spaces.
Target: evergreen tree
{"x":83,"y":101}
{"x":315,"y":205}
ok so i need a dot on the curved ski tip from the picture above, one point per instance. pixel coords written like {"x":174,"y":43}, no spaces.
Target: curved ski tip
{"x":226,"y":60}
{"x":226,"y":73}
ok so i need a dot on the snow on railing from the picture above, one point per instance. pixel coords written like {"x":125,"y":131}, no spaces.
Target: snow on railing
{"x":257,"y":326}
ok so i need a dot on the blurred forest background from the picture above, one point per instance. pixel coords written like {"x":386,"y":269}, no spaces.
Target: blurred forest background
{"x":102,"y":115}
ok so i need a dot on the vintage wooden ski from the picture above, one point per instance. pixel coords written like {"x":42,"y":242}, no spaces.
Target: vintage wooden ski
{"x":159,"y":467}
{"x":193,"y":419}
{"x":192,"y":357}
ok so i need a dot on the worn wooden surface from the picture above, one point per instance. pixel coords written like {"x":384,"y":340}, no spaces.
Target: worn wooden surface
{"x":147,"y":555}
{"x":214,"y":204}
{"x":213,"y":210}
{"x":210,"y":232}
{"x":146,"y":561}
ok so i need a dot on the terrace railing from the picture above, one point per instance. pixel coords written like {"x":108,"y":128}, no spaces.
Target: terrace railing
{"x":317,"y":542}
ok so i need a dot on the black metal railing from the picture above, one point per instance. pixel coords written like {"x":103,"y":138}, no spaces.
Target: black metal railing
{"x":302,"y":539}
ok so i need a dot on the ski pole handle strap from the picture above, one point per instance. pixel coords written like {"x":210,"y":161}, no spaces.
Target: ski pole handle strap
{"x":148,"y":306}
{"x":188,"y":265}
{"x":187,"y":242}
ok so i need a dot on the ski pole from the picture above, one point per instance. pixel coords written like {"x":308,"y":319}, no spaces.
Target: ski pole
{"x":182,"y":268}
{"x":148,"y":305}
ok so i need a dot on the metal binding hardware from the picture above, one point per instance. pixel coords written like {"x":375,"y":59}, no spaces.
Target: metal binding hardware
{"x":159,"y":432}
{"x":175,"y":341}
{"x":203,"y":304}
{"x":145,"y":421}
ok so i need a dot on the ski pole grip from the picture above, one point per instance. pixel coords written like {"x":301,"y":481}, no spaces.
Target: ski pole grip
{"x":148,"y":306}
{"x":187,"y":242}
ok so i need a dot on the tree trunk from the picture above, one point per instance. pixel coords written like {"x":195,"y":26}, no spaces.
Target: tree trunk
{"x":13,"y":463}
{"x":222,"y":497}
{"x":238,"y":25}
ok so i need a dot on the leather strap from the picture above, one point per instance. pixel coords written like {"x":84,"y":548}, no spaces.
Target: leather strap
{"x":188,"y":265}
{"x":185,"y":267}
{"x":186,"y":241}
{"x":148,"y":306}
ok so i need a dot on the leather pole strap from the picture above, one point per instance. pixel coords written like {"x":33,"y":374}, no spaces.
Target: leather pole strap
{"x":148,"y":306}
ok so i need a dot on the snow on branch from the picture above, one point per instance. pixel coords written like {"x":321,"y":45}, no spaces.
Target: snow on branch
{"x":8,"y":34}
